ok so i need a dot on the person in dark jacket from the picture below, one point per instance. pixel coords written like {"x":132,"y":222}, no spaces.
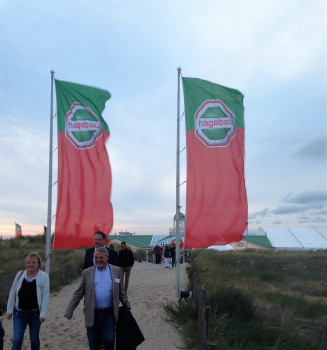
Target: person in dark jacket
{"x":99,"y":241}
{"x":114,"y":255}
{"x":167,"y":255}
{"x":173,"y":254}
{"x":157,"y":253}
{"x":2,"y":332}
{"x":126,"y":261}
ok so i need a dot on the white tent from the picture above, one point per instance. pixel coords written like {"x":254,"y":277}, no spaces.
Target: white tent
{"x":221,"y":247}
{"x":162,"y":240}
{"x":295,"y":238}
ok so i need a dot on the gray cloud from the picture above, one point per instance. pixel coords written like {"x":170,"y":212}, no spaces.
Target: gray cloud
{"x":307,"y":197}
{"x":290,"y":209}
{"x":309,"y":205}
{"x":277,"y":222}
{"x":315,"y":149}
{"x":262,"y":213}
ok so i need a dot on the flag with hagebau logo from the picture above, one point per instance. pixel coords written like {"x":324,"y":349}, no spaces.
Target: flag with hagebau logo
{"x":84,"y":173}
{"x":216,"y":200}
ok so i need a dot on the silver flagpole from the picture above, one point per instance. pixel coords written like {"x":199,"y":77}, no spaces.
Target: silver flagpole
{"x":48,"y":231}
{"x":177,"y":183}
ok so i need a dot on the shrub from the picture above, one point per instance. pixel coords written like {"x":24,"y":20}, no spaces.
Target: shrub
{"x":233,"y":301}
{"x":181,"y":316}
{"x":65,"y":265}
{"x":140,"y":254}
{"x":259,"y":299}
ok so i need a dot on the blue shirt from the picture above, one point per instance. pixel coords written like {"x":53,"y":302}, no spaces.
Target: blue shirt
{"x":103,"y":288}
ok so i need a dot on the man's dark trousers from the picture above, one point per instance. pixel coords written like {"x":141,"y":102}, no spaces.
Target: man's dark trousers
{"x":103,"y":330}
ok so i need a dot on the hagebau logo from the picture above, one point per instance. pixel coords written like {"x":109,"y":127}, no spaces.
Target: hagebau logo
{"x":214,"y":123}
{"x":83,"y":127}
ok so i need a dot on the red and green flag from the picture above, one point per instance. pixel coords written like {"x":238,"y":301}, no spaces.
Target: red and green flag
{"x":84,"y":173}
{"x":216,"y":200}
{"x":18,"y":230}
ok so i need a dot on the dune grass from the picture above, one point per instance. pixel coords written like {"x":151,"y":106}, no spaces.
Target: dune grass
{"x":258,"y":299}
{"x":65,"y":264}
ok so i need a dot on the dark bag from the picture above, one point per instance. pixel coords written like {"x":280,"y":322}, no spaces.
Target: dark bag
{"x":128,"y":333}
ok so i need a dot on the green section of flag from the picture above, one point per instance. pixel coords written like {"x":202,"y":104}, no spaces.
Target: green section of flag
{"x":197,"y":91}
{"x":90,"y":97}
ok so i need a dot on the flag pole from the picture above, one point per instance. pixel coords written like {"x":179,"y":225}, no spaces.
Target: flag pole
{"x":177,"y":183}
{"x":48,"y":230}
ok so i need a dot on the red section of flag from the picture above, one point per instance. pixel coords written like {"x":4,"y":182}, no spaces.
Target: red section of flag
{"x":84,"y":186}
{"x":216,"y":201}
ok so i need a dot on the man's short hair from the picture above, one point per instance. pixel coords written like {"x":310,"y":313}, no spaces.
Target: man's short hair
{"x":123,"y":243}
{"x":100,"y":233}
{"x":102,"y":250}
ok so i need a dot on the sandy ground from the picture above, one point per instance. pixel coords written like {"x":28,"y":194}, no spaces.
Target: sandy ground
{"x":150,"y":285}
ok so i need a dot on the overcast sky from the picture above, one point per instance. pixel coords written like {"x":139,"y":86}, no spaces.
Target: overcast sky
{"x":273,"y":51}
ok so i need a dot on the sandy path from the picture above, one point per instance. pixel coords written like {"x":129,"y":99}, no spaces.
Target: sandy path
{"x":149,"y":286}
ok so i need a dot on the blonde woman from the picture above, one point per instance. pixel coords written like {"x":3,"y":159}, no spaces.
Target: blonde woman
{"x":28,"y":301}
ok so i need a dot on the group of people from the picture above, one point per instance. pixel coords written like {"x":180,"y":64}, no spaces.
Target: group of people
{"x":104,"y":282}
{"x":168,"y":252}
{"x":124,"y":258}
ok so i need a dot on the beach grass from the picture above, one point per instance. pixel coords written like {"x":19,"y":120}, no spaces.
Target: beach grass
{"x":66,"y":264}
{"x":258,"y":300}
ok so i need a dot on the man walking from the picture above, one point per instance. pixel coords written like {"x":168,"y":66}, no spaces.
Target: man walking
{"x":173,"y":254}
{"x":167,"y":255}
{"x":101,"y":287}
{"x":2,"y":332}
{"x":157,"y":253}
{"x":114,"y":255}
{"x":126,"y":261}
{"x":99,"y":241}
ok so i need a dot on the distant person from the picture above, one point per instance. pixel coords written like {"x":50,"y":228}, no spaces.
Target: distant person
{"x":126,"y":262}
{"x":114,"y":255}
{"x":161,"y":252}
{"x":173,"y":254}
{"x":102,"y":289}
{"x":157,"y":253}
{"x":28,"y":301}
{"x":2,"y":332}
{"x":150,"y":255}
{"x":99,"y":242}
{"x":167,"y":255}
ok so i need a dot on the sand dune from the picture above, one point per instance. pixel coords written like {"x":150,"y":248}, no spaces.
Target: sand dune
{"x":150,"y":285}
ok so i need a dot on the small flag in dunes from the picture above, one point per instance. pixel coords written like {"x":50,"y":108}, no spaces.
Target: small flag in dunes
{"x":18,"y":230}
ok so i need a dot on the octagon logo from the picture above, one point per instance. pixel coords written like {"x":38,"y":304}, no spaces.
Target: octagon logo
{"x":83,"y":127}
{"x":214,"y":124}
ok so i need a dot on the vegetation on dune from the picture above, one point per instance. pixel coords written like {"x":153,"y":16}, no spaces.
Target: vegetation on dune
{"x":65,"y":264}
{"x":258,"y":300}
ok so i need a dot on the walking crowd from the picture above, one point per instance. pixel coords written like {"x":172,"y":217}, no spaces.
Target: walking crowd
{"x":165,"y":254}
{"x":103,"y":286}
{"x":104,"y":283}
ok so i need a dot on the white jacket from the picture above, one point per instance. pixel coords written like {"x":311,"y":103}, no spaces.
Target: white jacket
{"x":42,"y":291}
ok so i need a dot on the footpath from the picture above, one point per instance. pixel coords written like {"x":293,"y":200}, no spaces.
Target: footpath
{"x":150,"y":285}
